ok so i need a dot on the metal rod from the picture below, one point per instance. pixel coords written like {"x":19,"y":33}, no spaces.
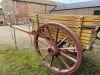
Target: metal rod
{"x":30,"y":36}
{"x":38,"y":20}
{"x":45,"y":9}
{"x":15,"y":39}
{"x":11,"y":33}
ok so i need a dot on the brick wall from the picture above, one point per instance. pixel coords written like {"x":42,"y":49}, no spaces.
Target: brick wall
{"x":23,"y":9}
{"x":19,"y":10}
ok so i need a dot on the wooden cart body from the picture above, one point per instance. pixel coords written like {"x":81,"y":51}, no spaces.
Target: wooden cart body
{"x":84,"y":27}
{"x":64,"y":38}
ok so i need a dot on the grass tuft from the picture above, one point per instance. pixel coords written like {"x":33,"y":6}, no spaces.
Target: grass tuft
{"x":21,"y":62}
{"x":26,"y":62}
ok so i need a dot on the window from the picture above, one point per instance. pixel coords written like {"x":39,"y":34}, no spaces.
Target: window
{"x":97,"y":12}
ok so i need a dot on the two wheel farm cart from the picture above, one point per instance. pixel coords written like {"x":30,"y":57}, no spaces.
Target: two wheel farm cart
{"x":60,"y":40}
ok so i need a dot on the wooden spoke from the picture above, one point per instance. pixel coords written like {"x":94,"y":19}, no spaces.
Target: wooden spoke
{"x":64,"y":62}
{"x":57,"y":35}
{"x":46,"y":56}
{"x":70,"y":48}
{"x":44,"y":37}
{"x":51,"y":40}
{"x":58,"y":63}
{"x":51,"y":61}
{"x":63,"y":40}
{"x":69,"y":57}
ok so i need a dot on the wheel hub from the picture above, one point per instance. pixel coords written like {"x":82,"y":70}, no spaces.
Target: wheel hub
{"x":53,"y":51}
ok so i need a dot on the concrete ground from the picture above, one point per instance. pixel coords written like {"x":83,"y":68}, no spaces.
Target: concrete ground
{"x":7,"y":37}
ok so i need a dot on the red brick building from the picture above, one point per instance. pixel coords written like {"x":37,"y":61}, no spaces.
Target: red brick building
{"x":19,"y":10}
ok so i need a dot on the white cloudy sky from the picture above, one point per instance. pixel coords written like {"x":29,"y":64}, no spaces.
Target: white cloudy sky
{"x":67,"y":1}
{"x":0,"y":0}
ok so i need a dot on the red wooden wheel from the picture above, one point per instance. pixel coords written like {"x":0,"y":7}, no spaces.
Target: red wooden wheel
{"x":54,"y":44}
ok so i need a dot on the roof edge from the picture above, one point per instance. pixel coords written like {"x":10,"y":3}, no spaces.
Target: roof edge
{"x":79,"y":5}
{"x":52,"y":3}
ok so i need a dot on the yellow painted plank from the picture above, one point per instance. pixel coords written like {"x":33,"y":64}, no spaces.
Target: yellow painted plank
{"x":69,"y":19}
{"x":57,"y":21}
{"x":85,"y":38}
{"x":86,"y":31}
{"x":65,"y":17}
{"x":84,"y":41}
{"x":91,"y":18}
{"x":85,"y":34}
{"x":91,"y":23}
{"x":57,"y":17}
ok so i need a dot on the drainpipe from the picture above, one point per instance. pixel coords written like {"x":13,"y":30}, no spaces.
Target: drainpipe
{"x":14,"y":12}
{"x":4,"y":19}
{"x":45,"y":9}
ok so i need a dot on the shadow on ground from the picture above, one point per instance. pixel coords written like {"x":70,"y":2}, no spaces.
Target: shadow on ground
{"x":88,"y":67}
{"x":91,"y":62}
